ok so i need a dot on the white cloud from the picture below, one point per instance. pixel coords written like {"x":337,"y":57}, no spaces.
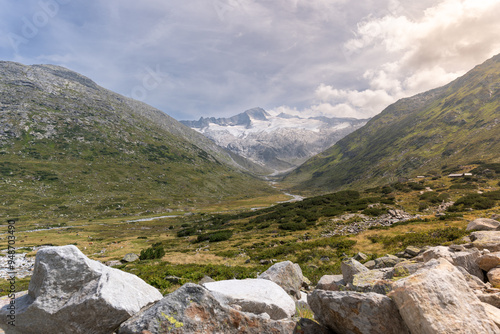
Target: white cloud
{"x":407,"y":54}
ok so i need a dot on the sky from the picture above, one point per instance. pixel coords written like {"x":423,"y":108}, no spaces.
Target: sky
{"x":194,"y":58}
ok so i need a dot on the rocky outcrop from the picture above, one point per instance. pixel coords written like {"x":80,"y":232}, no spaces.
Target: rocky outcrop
{"x":347,"y":312}
{"x":193,"y":309}
{"x":437,"y":299}
{"x":255,"y":296}
{"x":286,"y":274}
{"x":69,"y":293}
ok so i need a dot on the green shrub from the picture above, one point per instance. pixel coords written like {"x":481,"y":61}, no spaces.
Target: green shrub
{"x":472,"y":201}
{"x":222,"y":235}
{"x":374,"y":211}
{"x":156,"y":251}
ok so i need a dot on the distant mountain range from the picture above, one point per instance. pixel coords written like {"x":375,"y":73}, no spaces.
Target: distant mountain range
{"x":69,"y":148}
{"x":428,"y":134}
{"x":277,"y":142}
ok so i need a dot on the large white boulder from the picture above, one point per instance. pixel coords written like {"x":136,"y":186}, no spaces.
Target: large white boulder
{"x":437,"y":300}
{"x":69,"y":293}
{"x":255,"y":296}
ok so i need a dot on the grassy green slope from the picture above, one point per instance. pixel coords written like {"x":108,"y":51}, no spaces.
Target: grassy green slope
{"x":69,"y":148}
{"x":453,"y":125}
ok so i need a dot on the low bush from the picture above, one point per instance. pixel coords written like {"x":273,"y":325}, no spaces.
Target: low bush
{"x":156,"y":251}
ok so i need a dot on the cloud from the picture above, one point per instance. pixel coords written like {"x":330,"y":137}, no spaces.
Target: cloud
{"x":411,"y":55}
{"x":220,"y":57}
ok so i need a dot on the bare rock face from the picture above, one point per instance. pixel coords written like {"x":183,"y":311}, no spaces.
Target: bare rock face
{"x":286,"y":274}
{"x":193,"y":309}
{"x":437,"y":299}
{"x":348,"y":312}
{"x":483,"y":224}
{"x":69,"y":293}
{"x":255,"y":296}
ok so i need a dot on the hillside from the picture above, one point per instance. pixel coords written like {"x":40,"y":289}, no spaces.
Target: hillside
{"x":428,"y":134}
{"x":276,"y":142}
{"x":70,"y":148}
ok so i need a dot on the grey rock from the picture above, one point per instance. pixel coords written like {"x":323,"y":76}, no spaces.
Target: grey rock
{"x":130,"y":257}
{"x":193,"y":309}
{"x":370,"y":264}
{"x":376,"y":280}
{"x":69,"y":293}
{"x":331,"y":282}
{"x":286,"y":274}
{"x":360,"y":257}
{"x":351,"y":267}
{"x":412,"y":251}
{"x":467,"y":259}
{"x":348,"y":312}
{"x":254,"y":296}
{"x":387,"y":261}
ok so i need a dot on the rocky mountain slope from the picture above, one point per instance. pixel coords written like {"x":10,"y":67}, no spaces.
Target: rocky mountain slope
{"x":71,"y":148}
{"x":278,"y":142}
{"x":430,"y":133}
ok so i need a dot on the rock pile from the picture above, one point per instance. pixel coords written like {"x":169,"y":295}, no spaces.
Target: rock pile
{"x":388,"y":219}
{"x":431,"y":290}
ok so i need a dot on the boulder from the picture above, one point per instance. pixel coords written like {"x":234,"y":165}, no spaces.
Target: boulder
{"x":377,"y":280}
{"x":412,"y":251}
{"x":483,"y":224}
{"x":193,"y":309}
{"x":360,"y":257}
{"x":347,"y":312}
{"x":467,"y":259}
{"x":331,"y":282}
{"x":488,"y":261}
{"x":406,"y":268}
{"x":489,"y":240}
{"x":286,"y":274}
{"x":254,"y":296}
{"x":370,"y":264}
{"x":436,"y":299}
{"x":130,"y":257}
{"x":494,"y":277}
{"x":351,"y":267}
{"x":69,"y":293}
{"x":387,"y":261}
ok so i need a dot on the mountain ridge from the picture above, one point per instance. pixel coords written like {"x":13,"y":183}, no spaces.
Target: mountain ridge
{"x":277,"y":142}
{"x":452,"y":125}
{"x":70,"y":147}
